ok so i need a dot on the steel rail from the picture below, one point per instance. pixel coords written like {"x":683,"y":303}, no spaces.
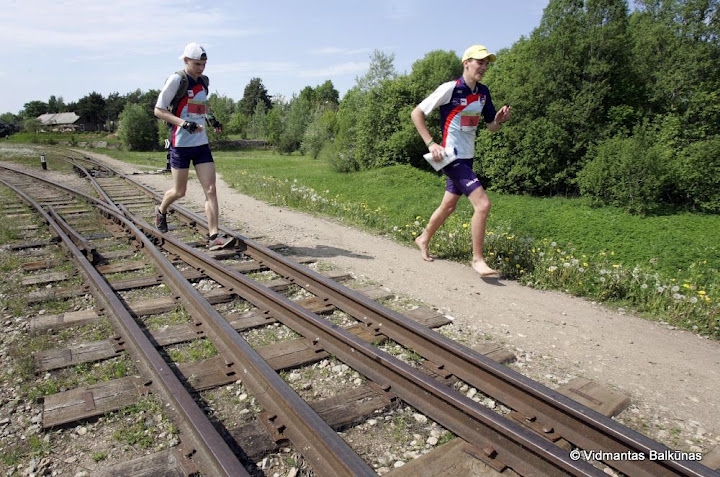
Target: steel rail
{"x":101,"y":192}
{"x":491,"y":434}
{"x":290,"y":415}
{"x":211,"y":451}
{"x":578,"y":424}
{"x":504,"y":440}
{"x":319,"y":443}
{"x":83,"y":244}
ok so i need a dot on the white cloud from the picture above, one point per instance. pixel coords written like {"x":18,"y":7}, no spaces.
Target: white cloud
{"x":127,"y":27}
{"x":114,"y":45}
{"x":256,"y":68}
{"x":266,"y":68}
{"x":334,"y":70}
{"x":333,"y":50}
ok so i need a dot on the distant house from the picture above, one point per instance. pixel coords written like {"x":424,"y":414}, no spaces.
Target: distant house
{"x":67,"y":122}
{"x":61,"y":121}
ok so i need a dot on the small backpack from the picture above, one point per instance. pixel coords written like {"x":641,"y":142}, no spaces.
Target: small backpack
{"x":183,"y":89}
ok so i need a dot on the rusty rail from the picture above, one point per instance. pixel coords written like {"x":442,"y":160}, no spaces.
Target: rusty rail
{"x":584,"y":427}
{"x":214,"y":453}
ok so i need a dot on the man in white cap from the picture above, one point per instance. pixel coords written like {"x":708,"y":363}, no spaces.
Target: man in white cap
{"x":182,"y":104}
{"x":462,"y":102}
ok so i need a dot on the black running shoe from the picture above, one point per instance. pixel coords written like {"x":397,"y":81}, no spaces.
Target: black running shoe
{"x":160,"y":220}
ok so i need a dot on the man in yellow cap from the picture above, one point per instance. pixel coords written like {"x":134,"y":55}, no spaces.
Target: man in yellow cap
{"x":462,"y":102}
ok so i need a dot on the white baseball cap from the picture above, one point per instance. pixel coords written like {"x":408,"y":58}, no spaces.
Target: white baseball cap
{"x":194,"y":51}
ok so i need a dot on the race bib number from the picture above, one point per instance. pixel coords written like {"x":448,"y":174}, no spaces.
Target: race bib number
{"x":469,"y":121}
{"x":196,"y":108}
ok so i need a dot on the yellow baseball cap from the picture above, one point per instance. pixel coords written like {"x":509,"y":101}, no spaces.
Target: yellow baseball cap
{"x":478,"y":52}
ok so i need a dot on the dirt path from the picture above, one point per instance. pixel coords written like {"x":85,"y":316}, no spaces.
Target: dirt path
{"x":672,"y":376}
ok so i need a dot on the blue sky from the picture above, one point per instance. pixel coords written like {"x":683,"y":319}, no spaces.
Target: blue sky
{"x":71,"y":48}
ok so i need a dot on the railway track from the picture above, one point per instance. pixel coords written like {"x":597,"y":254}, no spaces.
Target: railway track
{"x":255,"y":289}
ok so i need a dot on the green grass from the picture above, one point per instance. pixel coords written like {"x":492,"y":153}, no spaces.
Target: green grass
{"x":140,"y":426}
{"x":401,"y":194}
{"x":671,"y":242}
{"x":69,"y":138}
{"x":30,"y":156}
{"x":664,"y":266}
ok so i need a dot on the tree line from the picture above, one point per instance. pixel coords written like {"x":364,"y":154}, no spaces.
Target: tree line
{"x":616,"y":105}
{"x":621,"y":107}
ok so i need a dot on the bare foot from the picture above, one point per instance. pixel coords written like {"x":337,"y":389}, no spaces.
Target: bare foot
{"x":424,"y":252}
{"x":484,"y":269}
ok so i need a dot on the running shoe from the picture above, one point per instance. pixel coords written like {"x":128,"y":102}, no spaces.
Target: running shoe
{"x":220,"y":242}
{"x":160,"y":220}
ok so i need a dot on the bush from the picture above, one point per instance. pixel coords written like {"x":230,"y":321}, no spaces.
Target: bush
{"x":318,"y":132}
{"x":525,"y":159}
{"x":381,"y":123}
{"x":629,"y":173}
{"x":288,"y":144}
{"x":344,"y":159}
{"x":138,"y":129}
{"x":698,"y":175}
{"x":341,"y":161}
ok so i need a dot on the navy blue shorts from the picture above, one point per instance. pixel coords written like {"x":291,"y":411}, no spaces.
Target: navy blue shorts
{"x":461,"y":179}
{"x":181,"y":157}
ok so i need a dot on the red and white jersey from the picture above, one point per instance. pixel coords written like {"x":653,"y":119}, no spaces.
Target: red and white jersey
{"x":192,"y":107}
{"x":460,"y":112}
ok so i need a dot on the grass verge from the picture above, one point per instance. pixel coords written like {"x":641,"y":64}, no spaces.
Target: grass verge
{"x":665,"y":266}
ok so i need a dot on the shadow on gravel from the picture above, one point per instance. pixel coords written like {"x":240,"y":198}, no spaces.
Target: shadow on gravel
{"x":325,"y":251}
{"x":495,"y":281}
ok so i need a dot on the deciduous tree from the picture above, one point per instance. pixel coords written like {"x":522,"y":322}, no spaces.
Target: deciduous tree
{"x":253,"y":94}
{"x":381,"y":68}
{"x":33,"y":109}
{"x":91,"y":109}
